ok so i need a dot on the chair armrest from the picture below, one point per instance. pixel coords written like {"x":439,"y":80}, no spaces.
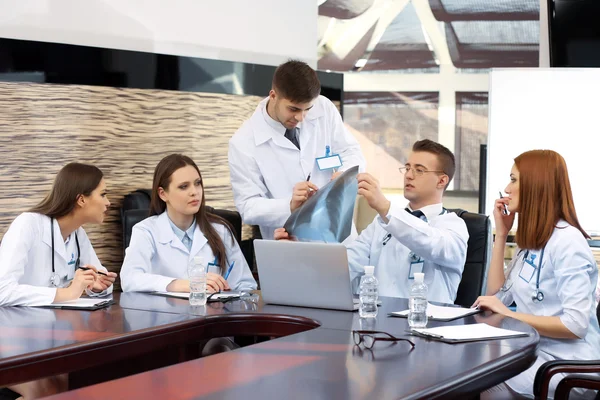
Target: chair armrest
{"x":575,"y":381}
{"x":551,"y":368}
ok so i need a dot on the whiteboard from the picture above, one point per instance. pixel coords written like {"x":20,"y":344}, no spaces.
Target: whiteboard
{"x":547,"y":108}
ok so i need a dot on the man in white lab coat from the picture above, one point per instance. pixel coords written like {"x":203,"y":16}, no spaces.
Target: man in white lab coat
{"x":423,"y":237}
{"x":294,"y":143}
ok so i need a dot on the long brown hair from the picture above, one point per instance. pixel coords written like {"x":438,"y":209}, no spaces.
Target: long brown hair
{"x":72,"y":181}
{"x":545,"y":197}
{"x":162,"y":179}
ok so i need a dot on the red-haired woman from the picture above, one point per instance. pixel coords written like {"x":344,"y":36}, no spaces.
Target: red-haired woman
{"x":552,"y":276}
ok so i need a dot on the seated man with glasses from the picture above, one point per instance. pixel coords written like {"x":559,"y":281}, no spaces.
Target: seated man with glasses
{"x":424,"y":237}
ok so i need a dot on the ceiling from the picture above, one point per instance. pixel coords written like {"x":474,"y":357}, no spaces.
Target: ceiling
{"x":395,"y":35}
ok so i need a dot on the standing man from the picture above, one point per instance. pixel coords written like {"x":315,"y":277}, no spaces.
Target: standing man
{"x":294,"y":143}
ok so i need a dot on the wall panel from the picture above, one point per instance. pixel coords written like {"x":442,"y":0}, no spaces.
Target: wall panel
{"x":125,"y":132}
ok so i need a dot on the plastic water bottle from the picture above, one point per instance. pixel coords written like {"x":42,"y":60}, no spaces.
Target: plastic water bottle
{"x":368,"y":293}
{"x":197,"y":276}
{"x":417,"y":303}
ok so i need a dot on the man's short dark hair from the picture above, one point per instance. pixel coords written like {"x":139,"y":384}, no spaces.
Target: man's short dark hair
{"x":445,"y":157}
{"x":296,"y":81}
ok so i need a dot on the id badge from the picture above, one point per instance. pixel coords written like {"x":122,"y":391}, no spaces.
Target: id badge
{"x":415,"y":267}
{"x":527,"y":272}
{"x":329,"y":162}
{"x":214,"y":267}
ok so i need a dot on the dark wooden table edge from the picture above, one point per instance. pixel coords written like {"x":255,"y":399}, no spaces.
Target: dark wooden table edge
{"x":30,"y":366}
{"x":470,"y":385}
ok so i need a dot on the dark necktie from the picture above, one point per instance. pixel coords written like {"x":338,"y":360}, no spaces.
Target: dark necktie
{"x":291,"y":134}
{"x":417,"y":213}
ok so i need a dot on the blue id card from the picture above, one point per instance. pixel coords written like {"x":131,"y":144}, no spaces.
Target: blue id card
{"x":72,"y":259}
{"x":214,"y":267}
{"x":415,"y":267}
{"x":527,"y":271}
{"x":329,"y":162}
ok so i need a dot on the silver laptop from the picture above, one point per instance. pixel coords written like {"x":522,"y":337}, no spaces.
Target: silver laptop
{"x":304,"y":274}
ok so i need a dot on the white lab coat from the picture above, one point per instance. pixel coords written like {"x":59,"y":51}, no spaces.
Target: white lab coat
{"x":441,"y":243}
{"x":264,"y":165}
{"x":567,"y":280}
{"x":26,"y":260}
{"x":155,"y":257}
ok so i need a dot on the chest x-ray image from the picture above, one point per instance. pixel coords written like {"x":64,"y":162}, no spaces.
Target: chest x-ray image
{"x":327,"y":215}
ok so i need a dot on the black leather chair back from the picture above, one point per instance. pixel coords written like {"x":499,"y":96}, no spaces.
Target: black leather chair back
{"x":136,"y":207}
{"x":479,"y":251}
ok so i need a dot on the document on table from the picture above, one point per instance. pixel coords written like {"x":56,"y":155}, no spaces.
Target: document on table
{"x":84,"y":303}
{"x":441,"y":313}
{"x":466,"y":333}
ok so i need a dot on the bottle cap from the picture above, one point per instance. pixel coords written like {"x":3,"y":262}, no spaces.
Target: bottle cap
{"x":419,"y":277}
{"x":369,"y":269}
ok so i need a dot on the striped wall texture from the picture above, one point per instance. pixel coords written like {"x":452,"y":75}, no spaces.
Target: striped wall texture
{"x":125,"y":132}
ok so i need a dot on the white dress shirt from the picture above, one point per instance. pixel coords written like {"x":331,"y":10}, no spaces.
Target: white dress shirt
{"x":264,"y":165}
{"x":156,"y":257}
{"x":441,"y":242}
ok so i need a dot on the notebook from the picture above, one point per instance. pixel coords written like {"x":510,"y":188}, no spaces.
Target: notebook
{"x":89,"y":304}
{"x":440,"y":313}
{"x":466,"y":333}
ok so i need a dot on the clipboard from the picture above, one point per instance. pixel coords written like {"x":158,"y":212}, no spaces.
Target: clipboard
{"x":211,"y":297}
{"x":92,"y":306}
{"x":466,"y":333}
{"x":441,"y":313}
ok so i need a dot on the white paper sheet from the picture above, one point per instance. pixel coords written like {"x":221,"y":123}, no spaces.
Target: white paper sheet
{"x":469,"y":332}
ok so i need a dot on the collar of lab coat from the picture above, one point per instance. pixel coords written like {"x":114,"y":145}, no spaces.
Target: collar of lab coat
{"x":59,"y":246}
{"x":166,"y":235}
{"x":431,"y":211}
{"x":263,"y":130}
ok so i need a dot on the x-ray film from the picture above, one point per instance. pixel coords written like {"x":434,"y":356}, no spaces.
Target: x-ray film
{"x":327,"y":215}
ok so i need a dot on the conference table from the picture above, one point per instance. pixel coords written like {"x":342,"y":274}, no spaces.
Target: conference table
{"x":146,"y":346}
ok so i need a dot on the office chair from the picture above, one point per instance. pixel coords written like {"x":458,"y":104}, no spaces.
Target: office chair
{"x":578,"y":371}
{"x":136,"y":207}
{"x":479,"y":252}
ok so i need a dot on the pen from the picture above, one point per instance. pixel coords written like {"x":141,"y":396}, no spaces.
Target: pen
{"x":387,"y":238}
{"x":308,"y":179}
{"x":505,"y":211}
{"x":98,"y":272}
{"x":229,"y":271}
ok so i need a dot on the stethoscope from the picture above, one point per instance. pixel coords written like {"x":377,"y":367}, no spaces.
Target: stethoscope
{"x":537,"y":293}
{"x":55,"y":278}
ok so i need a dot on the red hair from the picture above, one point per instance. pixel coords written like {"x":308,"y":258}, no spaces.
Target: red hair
{"x":545,"y":197}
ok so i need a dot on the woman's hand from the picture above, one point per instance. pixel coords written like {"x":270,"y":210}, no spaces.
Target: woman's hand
{"x":216,"y":283}
{"x":102,"y":281}
{"x":493,"y":304}
{"x":504,"y":222}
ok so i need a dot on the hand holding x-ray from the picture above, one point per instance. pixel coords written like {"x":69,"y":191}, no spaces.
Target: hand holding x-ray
{"x":327,"y":215}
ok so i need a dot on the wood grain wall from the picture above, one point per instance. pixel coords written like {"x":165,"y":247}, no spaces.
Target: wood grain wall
{"x":125,"y":132}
